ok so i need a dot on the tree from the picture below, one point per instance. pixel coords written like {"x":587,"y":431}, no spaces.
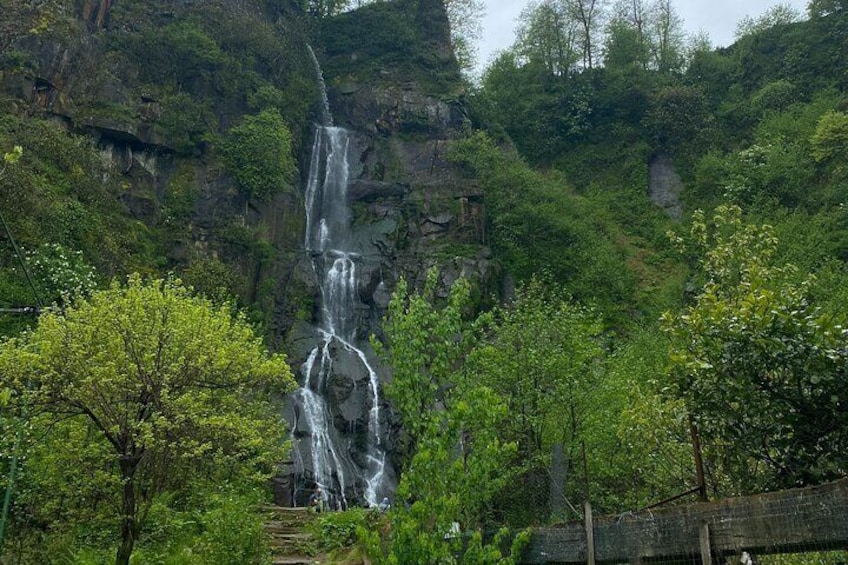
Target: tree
{"x":589,"y":14}
{"x":824,"y":8}
{"x":777,"y":15}
{"x":464,"y":17}
{"x":625,"y":46}
{"x":631,"y":15}
{"x":646,"y":32}
{"x":457,"y":460}
{"x":761,"y":369}
{"x":830,"y":140}
{"x":666,"y":37}
{"x":541,"y":357}
{"x":325,"y":8}
{"x":164,"y":381}
{"x":547,"y":36}
{"x":540,"y":353}
{"x":679,"y":120}
{"x":258,"y":153}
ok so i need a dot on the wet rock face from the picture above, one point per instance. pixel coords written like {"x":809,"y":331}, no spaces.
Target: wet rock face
{"x":394,"y":109}
{"x":665,"y":186}
{"x":410,"y":210}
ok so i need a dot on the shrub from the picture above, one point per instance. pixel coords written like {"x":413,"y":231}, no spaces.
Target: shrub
{"x":258,"y":153}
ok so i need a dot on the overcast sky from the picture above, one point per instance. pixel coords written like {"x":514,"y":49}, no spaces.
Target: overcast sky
{"x":717,"y":17}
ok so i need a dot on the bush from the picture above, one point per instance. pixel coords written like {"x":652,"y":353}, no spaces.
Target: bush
{"x":338,"y":529}
{"x":233,"y":533}
{"x":258,"y":153}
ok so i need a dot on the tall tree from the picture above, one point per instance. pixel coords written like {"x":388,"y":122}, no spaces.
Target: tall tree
{"x":542,"y":357}
{"x":761,"y":369}
{"x":165,"y":381}
{"x":823,"y":8}
{"x":779,"y":14}
{"x":465,"y":21}
{"x":589,"y":15}
{"x":548,"y":37}
{"x":457,"y":460}
{"x":626,"y":34}
{"x":667,"y":38}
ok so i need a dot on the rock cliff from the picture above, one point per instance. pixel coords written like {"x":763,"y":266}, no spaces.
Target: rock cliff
{"x":159,"y":84}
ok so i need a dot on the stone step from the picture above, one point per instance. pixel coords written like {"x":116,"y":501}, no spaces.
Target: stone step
{"x":277,"y":527}
{"x":295,"y":560}
{"x":292,"y":543}
{"x":289,"y":536}
{"x":290,"y":515}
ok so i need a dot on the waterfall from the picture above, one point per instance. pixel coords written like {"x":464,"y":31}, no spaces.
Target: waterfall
{"x":326,"y":116}
{"x":327,"y":239}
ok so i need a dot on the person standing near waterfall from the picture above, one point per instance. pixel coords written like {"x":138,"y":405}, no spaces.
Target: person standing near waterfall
{"x":316,"y":500}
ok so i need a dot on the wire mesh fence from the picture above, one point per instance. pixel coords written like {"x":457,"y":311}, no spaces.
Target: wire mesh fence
{"x":793,"y":527}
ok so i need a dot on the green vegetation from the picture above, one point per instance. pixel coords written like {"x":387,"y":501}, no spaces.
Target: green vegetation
{"x":444,"y":409}
{"x":756,"y":336}
{"x":150,"y":389}
{"x":758,"y":363}
{"x":384,"y":40}
{"x":258,"y":152}
{"x":175,"y":146}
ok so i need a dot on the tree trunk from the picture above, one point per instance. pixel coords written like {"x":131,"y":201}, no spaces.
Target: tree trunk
{"x":105,"y":5}
{"x":129,"y":507}
{"x":87,"y":9}
{"x":96,"y":14}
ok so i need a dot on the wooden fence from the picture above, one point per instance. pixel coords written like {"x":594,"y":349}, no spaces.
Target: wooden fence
{"x":814,"y":518}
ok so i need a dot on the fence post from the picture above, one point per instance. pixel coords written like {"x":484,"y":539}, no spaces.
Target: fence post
{"x":706,"y":553}
{"x":590,"y":533}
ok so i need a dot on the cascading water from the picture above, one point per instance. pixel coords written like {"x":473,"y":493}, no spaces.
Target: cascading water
{"x":328,"y":231}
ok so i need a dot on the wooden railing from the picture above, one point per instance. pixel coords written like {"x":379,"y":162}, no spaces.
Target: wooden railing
{"x":808,"y":519}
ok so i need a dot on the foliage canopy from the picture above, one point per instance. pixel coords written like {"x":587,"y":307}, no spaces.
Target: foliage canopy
{"x":164,"y":382}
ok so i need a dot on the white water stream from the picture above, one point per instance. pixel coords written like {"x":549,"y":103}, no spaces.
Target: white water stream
{"x":327,"y":239}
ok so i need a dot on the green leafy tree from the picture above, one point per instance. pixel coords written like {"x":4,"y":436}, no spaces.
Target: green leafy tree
{"x":547,"y":36}
{"x":777,"y":15}
{"x":458,"y":462}
{"x":667,"y":38}
{"x":823,"y":8}
{"x":627,"y":33}
{"x":465,"y":17}
{"x":542,"y":357}
{"x":258,"y":153}
{"x":830,"y":140}
{"x":761,"y":369}
{"x":679,"y":120}
{"x":589,"y":15}
{"x":159,"y":384}
{"x":625,"y":46}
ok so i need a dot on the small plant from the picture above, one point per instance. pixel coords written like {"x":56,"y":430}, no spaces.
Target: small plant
{"x":59,"y":271}
{"x":338,"y":529}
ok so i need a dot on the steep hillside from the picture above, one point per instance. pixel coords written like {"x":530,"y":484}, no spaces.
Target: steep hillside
{"x":150,"y":137}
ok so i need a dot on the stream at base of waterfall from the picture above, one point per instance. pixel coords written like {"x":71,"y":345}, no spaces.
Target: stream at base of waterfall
{"x":348,"y":464}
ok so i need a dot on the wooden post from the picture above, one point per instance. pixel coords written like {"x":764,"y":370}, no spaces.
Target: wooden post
{"x":585,"y":471}
{"x":706,"y":553}
{"x":699,"y":461}
{"x":590,"y":533}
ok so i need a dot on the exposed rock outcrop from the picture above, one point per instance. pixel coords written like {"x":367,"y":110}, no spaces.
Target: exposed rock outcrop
{"x":411,"y":210}
{"x":665,"y":185}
